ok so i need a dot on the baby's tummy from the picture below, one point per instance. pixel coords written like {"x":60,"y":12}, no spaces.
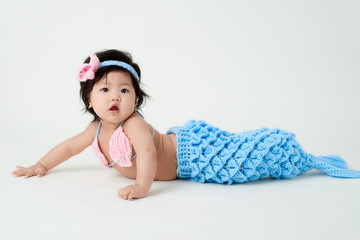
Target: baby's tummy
{"x":165,"y":169}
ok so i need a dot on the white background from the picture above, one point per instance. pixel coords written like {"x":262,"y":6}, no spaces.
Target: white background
{"x":239,"y":65}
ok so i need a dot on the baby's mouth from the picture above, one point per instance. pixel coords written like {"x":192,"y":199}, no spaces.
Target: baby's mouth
{"x":114,"y":108}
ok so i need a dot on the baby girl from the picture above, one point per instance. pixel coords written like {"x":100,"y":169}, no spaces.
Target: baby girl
{"x":121,"y":138}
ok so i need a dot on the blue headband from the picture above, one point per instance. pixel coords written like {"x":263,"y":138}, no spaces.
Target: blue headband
{"x":121,"y":64}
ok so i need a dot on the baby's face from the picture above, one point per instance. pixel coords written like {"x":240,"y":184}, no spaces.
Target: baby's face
{"x":113,"y":98}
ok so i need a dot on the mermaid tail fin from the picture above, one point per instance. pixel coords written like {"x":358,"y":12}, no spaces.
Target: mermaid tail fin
{"x":334,"y":166}
{"x":335,"y":161}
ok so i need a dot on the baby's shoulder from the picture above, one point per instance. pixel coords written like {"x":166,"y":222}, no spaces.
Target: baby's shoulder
{"x":135,"y":123}
{"x":92,"y":129}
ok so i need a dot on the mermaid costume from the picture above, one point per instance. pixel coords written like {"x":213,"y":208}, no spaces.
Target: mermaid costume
{"x":208,"y":154}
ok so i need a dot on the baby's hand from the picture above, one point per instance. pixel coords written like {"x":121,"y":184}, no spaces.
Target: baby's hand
{"x":37,"y":169}
{"x":131,"y":192}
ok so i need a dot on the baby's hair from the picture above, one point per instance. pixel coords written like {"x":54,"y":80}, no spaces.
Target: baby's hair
{"x":86,"y":87}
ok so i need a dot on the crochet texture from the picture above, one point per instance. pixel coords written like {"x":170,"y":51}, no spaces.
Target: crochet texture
{"x":120,"y":149}
{"x":208,"y":154}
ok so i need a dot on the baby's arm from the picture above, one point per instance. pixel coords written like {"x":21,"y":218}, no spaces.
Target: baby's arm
{"x":58,"y":154}
{"x":138,"y":132}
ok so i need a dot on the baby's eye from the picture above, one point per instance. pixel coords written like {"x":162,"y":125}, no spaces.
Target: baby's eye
{"x":124,"y":90}
{"x":104,"y":90}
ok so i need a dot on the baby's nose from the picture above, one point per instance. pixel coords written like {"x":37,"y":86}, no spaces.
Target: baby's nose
{"x":116,"y":97}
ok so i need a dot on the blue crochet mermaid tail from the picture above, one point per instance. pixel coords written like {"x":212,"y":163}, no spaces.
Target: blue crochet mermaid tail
{"x":208,"y":154}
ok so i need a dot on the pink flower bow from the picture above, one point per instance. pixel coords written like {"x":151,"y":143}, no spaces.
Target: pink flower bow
{"x":87,"y":70}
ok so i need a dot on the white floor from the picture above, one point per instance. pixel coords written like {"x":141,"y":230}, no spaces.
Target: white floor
{"x":78,"y":200}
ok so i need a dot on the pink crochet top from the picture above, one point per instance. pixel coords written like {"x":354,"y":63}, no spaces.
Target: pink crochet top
{"x":120,"y":148}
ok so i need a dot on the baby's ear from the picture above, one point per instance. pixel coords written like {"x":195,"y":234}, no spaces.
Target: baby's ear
{"x":90,"y":105}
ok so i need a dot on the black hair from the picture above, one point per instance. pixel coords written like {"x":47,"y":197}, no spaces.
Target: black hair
{"x":87,"y":87}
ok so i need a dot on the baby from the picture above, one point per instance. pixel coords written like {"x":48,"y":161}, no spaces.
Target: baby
{"x":122,"y":139}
